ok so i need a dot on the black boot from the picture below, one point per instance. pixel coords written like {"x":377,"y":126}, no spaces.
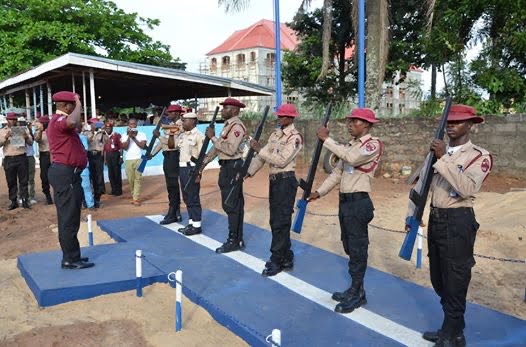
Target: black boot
{"x":25,"y":203}
{"x":230,"y":246}
{"x":178,"y":217}
{"x":341,"y":296}
{"x":443,"y":341}
{"x":49,"y":201}
{"x":13,"y":205}
{"x":272,"y":269}
{"x":182,"y":230}
{"x":170,"y":217}
{"x":192,"y":231}
{"x":355,"y":299}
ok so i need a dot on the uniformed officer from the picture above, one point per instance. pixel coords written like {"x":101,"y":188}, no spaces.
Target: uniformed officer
{"x":69,"y":159}
{"x":113,"y":158}
{"x":280,"y":153}
{"x":44,"y":156}
{"x":229,"y":148}
{"x":172,"y":128}
{"x":354,"y":173}
{"x":190,"y":143}
{"x":460,"y":169}
{"x":97,"y":138}
{"x":15,"y":162}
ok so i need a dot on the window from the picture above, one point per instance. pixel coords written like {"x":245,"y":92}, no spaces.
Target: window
{"x":292,"y":99}
{"x":252,"y":57}
{"x":240,"y":59}
{"x":225,"y":60}
{"x":213,"y":64}
{"x":271,"y":58}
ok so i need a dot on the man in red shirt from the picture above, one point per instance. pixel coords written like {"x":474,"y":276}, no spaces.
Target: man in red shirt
{"x":113,"y":158}
{"x":69,"y":159}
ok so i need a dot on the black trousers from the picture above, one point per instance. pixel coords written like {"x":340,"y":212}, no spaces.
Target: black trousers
{"x":282,"y":193}
{"x":96,"y":173}
{"x":45,"y":163}
{"x":16,"y":172}
{"x":451,"y":238}
{"x":235,"y":211}
{"x":113,"y":160}
{"x":355,"y":213}
{"x":66,"y":183}
{"x":191,"y":196}
{"x":171,"y":176}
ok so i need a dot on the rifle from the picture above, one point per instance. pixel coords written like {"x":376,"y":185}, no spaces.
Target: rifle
{"x":146,"y":156}
{"x":420,"y":198}
{"x":307,"y":185}
{"x":199,"y":160}
{"x":246,"y":163}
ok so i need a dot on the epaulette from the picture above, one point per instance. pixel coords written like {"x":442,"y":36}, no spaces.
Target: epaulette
{"x":481,"y":150}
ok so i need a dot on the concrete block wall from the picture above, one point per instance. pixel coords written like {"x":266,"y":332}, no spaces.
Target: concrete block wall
{"x":406,"y":140}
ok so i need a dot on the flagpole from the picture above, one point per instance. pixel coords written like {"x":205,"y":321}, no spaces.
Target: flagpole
{"x":361,"y":53}
{"x":277,"y":29}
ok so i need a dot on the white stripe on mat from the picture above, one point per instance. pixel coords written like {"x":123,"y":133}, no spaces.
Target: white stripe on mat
{"x":361,"y":316}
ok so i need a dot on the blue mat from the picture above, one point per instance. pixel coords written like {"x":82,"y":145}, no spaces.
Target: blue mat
{"x":236,"y":295}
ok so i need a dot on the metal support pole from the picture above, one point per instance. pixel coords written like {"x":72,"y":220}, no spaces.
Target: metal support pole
{"x":84,"y":97}
{"x":92,"y":93}
{"x":42,"y":101}
{"x":277,"y":67}
{"x":73,"y":82}
{"x":49,"y":101}
{"x":28,"y":104}
{"x":11,"y":101}
{"x":361,"y":53}
{"x":35,"y":109}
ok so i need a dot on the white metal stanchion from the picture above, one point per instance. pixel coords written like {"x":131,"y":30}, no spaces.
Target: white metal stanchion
{"x":90,"y":231}
{"x":138,"y":271}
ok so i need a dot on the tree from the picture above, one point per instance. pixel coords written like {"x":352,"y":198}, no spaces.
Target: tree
{"x":35,"y":31}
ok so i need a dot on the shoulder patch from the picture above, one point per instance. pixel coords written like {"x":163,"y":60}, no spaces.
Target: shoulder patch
{"x":485,"y":165}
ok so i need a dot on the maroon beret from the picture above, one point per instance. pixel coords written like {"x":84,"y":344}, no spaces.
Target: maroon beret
{"x":64,"y":96}
{"x":174,"y":108}
{"x":11,"y":116}
{"x":463,"y":112}
{"x":44,"y":119}
{"x":365,"y":114}
{"x":93,"y":120}
{"x":287,"y":110}
{"x":232,"y":102}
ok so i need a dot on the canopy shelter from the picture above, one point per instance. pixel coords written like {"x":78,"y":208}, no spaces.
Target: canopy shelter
{"x":106,"y":83}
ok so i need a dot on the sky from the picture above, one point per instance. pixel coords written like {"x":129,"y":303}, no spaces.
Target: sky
{"x":194,"y":27}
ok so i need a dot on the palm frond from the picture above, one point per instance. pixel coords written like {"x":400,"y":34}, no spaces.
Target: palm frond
{"x":233,"y":5}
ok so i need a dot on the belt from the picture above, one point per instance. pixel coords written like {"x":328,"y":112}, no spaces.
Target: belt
{"x":95,"y":152}
{"x":281,"y":175}
{"x":74,"y":169}
{"x":170,"y":152}
{"x":345,"y":197}
{"x":186,"y":164}
{"x":228,"y":161}
{"x":450,"y":212}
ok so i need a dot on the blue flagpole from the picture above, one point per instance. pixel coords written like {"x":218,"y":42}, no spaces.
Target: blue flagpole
{"x":277,"y":29}
{"x":361,"y":53}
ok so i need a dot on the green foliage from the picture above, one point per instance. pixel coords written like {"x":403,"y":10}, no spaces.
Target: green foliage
{"x":35,"y":31}
{"x":302,"y":67}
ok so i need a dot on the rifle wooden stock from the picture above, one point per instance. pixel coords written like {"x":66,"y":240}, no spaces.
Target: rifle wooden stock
{"x":246,"y":163}
{"x":419,"y":198}
{"x":301,"y":205}
{"x":145,"y":157}
{"x":199,"y":160}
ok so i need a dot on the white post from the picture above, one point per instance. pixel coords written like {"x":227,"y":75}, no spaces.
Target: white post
{"x":178,"y":300}
{"x":73,"y":82}
{"x":84,"y":97}
{"x":49,"y":101}
{"x":275,"y":338}
{"x":28,"y":104}
{"x":90,"y":231}
{"x":35,"y":102}
{"x":42,"y":102}
{"x":420,"y":238}
{"x":11,"y":100}
{"x":138,"y":271}
{"x":92,"y":93}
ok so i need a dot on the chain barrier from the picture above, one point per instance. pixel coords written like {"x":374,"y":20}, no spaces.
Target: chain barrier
{"x":489,"y":257}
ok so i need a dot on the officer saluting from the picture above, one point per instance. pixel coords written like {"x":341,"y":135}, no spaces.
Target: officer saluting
{"x":69,"y":159}
{"x":190,"y":143}
{"x":229,"y":148}
{"x":280,"y":153}
{"x":97,"y":138}
{"x":354,"y":172}
{"x":15,"y":162}
{"x":460,"y":169}
{"x":172,"y":128}
{"x":44,"y":156}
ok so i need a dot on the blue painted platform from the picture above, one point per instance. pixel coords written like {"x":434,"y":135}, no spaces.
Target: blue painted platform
{"x":236,"y":295}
